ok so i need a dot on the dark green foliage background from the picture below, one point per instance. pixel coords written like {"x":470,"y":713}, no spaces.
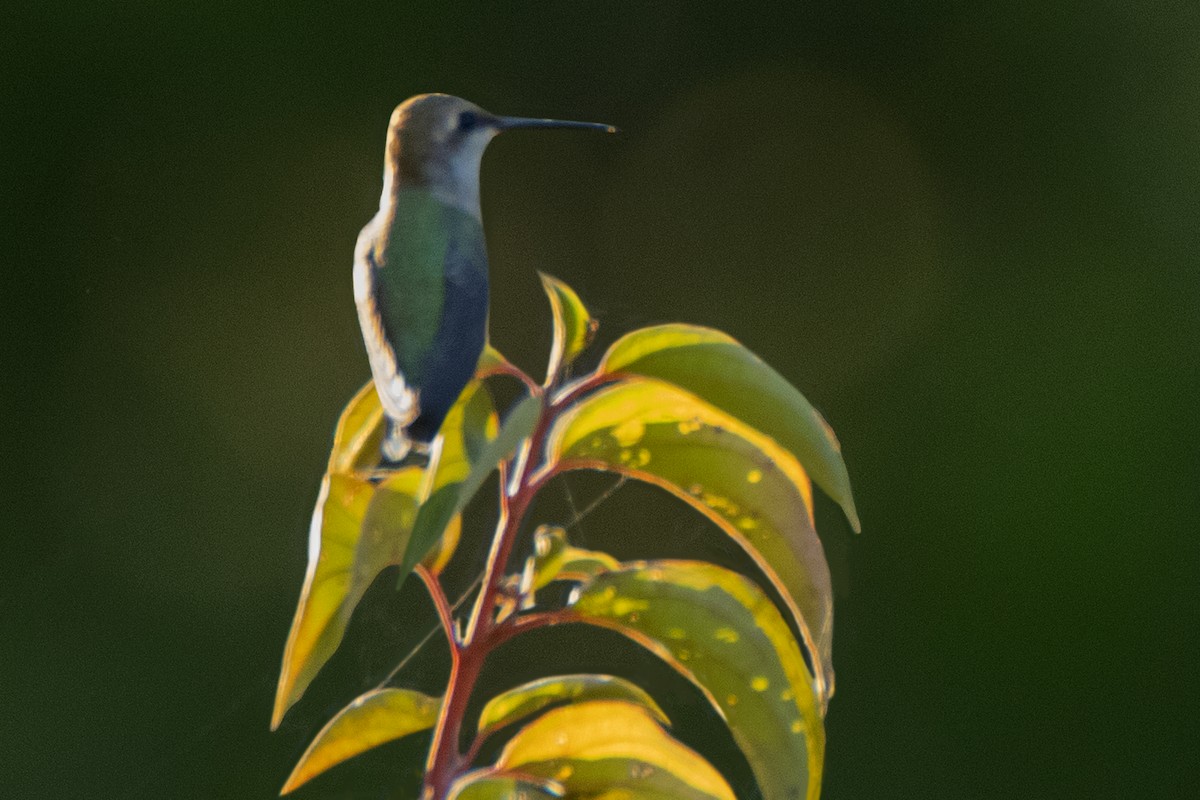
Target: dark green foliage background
{"x":967,"y":232}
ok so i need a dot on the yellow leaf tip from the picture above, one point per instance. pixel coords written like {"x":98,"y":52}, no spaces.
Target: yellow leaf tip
{"x":277,"y":716}
{"x":298,"y":778}
{"x":852,"y":518}
{"x":294,"y":782}
{"x":283,"y":700}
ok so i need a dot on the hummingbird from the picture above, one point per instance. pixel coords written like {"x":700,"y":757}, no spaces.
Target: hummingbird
{"x":421,"y":267}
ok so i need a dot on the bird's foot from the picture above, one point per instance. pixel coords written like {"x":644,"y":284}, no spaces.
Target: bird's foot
{"x":396,"y":444}
{"x":395,"y":457}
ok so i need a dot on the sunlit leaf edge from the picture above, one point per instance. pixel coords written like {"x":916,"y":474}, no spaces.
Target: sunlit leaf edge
{"x":317,"y":627}
{"x":675,"y":405}
{"x":706,"y":576}
{"x":531,"y":698}
{"x":574,"y":327}
{"x":490,"y":783}
{"x":702,"y":360}
{"x":309,"y":645}
{"x":372,"y":719}
{"x":561,"y":742}
{"x":436,"y":513}
{"x":555,"y":558}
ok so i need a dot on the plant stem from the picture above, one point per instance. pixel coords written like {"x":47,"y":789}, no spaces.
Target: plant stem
{"x":446,"y":759}
{"x":514,"y":371}
{"x":572,"y":392}
{"x":442,"y":605}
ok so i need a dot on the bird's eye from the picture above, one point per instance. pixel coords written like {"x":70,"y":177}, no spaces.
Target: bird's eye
{"x":468,"y":121}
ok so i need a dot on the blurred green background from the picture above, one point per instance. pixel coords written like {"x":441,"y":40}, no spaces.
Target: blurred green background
{"x":967,"y":231}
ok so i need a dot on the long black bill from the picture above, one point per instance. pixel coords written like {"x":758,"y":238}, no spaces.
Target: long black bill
{"x":507,"y":123}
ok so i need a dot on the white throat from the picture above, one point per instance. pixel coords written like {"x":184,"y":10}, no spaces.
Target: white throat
{"x":455,"y":180}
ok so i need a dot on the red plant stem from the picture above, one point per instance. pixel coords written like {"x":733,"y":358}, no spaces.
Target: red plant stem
{"x":503,"y":632}
{"x":529,"y":622}
{"x":444,"y":613}
{"x":574,"y":391}
{"x":484,"y":633}
{"x":446,"y":759}
{"x":514,"y":371}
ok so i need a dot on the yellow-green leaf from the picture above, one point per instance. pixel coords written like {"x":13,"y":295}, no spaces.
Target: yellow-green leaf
{"x":358,"y":434}
{"x":388,"y":526}
{"x":530,"y":698}
{"x":318,"y":625}
{"x":437,"y":513}
{"x":469,"y":425}
{"x":491,"y":784}
{"x":720,"y":631}
{"x":580,"y":564}
{"x":491,"y":361}
{"x":611,"y":746}
{"x":574,"y":328}
{"x":360,"y":428}
{"x":359,"y":529}
{"x":432,"y":535}
{"x":517,"y":427}
{"x":716,"y":367}
{"x":373,"y":719}
{"x":555,"y":558}
{"x":753,"y":489}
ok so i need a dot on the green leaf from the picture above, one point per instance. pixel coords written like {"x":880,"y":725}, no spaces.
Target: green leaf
{"x":319,"y":622}
{"x":531,"y":698}
{"x":433,"y":520}
{"x":388,"y":525}
{"x":609,"y":746}
{"x":451,"y":498}
{"x":716,"y":367}
{"x":360,"y":428}
{"x":359,"y":529}
{"x":358,"y":532}
{"x":469,"y":425}
{"x":373,"y":719}
{"x":517,"y":427}
{"x":491,"y":784}
{"x":491,"y":361}
{"x":396,"y":520}
{"x":720,"y":631}
{"x":748,"y":485}
{"x":579,"y":564}
{"x":556,"y":559}
{"x":574,"y":328}
{"x":358,"y":434}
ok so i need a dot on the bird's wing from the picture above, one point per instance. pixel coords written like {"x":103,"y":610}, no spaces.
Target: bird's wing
{"x":408,"y":254}
{"x":400,"y":401}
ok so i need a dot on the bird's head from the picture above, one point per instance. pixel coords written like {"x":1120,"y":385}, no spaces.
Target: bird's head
{"x":437,"y":141}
